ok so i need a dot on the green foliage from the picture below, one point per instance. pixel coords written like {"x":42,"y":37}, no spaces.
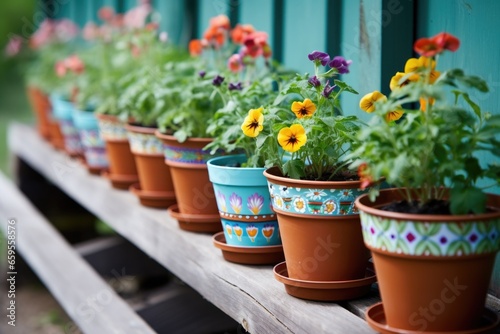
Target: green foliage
{"x":330,"y":135}
{"x":428,"y":151}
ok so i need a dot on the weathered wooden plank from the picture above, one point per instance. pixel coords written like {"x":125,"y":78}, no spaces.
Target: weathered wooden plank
{"x":88,"y":300}
{"x":249,"y":294}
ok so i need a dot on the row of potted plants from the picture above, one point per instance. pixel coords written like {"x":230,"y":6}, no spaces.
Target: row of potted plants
{"x":269,"y":158}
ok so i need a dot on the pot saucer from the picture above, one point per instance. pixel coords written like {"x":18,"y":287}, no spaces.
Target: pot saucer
{"x":94,"y":170}
{"x":325,"y":290}
{"x":375,"y":317}
{"x":196,"y":222}
{"x":248,"y":255}
{"x":153,"y":199}
{"x":120,"y":181}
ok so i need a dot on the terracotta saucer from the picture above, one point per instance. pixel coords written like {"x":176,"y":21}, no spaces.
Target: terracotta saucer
{"x":94,"y":170}
{"x":248,"y":255}
{"x":196,"y":222}
{"x":325,"y":290}
{"x":375,"y":317}
{"x":153,"y":199}
{"x":120,"y":181}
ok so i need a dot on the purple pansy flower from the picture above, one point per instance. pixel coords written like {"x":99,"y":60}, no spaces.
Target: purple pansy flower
{"x":314,"y":81}
{"x":235,"y":86}
{"x":202,"y":74}
{"x":328,"y":89}
{"x":319,"y":57}
{"x":218,"y":80}
{"x":340,"y":64}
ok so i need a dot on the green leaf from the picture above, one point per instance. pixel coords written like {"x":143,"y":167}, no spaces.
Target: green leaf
{"x":464,"y":200}
{"x":294,"y":168}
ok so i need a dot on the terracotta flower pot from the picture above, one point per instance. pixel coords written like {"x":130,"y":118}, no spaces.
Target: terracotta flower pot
{"x":55,"y":135}
{"x":320,"y":228}
{"x":40,"y":104}
{"x":194,"y":192}
{"x":62,"y":111}
{"x":93,"y":146}
{"x":433,"y":270}
{"x":156,"y":188}
{"x":122,"y":169}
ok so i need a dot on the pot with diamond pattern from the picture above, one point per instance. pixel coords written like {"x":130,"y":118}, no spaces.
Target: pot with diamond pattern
{"x":433,"y":270}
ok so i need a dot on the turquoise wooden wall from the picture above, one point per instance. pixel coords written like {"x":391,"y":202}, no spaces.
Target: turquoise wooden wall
{"x":376,"y":34}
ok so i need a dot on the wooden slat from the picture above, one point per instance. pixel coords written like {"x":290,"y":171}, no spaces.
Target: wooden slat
{"x":304,"y":31}
{"x":88,"y":300}
{"x":249,"y":294}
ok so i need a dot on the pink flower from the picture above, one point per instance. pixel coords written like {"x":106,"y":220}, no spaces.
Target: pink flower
{"x":136,"y":17}
{"x":90,"y":31}
{"x":235,"y":63}
{"x":65,"y":30}
{"x":106,"y":13}
{"x":44,"y":34}
{"x":254,"y":44}
{"x":60,"y":68}
{"x":14,"y":45}
{"x":74,"y":64}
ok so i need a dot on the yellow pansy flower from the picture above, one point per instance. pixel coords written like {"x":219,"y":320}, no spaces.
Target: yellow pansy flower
{"x":396,"y":79}
{"x":367,"y":102}
{"x":413,"y":64}
{"x":303,"y":109}
{"x":253,"y":123}
{"x":292,"y":138}
{"x":394,"y":115}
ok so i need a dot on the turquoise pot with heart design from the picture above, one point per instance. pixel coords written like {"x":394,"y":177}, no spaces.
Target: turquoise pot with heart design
{"x":244,"y":203}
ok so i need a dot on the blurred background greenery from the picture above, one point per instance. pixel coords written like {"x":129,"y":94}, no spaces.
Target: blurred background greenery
{"x":17,"y":17}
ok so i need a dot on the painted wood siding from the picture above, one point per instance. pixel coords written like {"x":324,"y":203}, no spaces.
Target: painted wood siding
{"x":376,"y":34}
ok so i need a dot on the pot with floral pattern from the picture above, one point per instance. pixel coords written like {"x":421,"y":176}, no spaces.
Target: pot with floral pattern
{"x":155,"y":187}
{"x":244,"y":203}
{"x":319,"y":227}
{"x":62,"y":111}
{"x":433,"y":270}
{"x":94,"y":149}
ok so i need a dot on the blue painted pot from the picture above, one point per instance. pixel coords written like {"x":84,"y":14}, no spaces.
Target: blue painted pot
{"x":62,"y":110}
{"x":93,"y":146}
{"x":244,"y":203}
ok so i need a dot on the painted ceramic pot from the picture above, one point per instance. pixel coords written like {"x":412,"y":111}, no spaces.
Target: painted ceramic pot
{"x":122,"y":168}
{"x":62,"y":111}
{"x":244,"y":203}
{"x":93,"y":146}
{"x":320,"y":228}
{"x":154,"y":176}
{"x":196,"y":208}
{"x":433,"y":270}
{"x":40,"y":104}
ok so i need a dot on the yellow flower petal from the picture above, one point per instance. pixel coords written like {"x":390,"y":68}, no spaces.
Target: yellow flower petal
{"x":396,"y":80}
{"x":413,"y":64}
{"x":303,"y":109}
{"x":423,"y":103}
{"x":253,"y":123}
{"x":367,"y":102}
{"x":292,"y":138}
{"x":434,"y":76}
{"x":394,"y":115}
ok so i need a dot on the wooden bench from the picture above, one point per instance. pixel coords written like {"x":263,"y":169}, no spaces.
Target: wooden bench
{"x":91,"y":303}
{"x":248,"y":294}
